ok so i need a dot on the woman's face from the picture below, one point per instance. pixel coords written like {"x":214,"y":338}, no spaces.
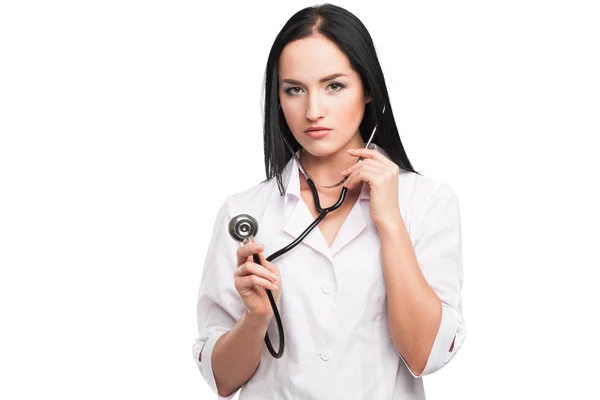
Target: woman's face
{"x":317,"y":87}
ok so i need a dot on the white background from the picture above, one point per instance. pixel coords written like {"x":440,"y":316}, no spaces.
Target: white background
{"x":125,"y":124}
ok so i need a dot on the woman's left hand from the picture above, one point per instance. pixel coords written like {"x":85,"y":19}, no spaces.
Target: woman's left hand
{"x":382,"y":176}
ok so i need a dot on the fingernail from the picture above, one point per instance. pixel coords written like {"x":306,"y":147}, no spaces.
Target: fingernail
{"x":273,"y":276}
{"x":350,"y":150}
{"x":275,"y":287}
{"x":261,"y":247}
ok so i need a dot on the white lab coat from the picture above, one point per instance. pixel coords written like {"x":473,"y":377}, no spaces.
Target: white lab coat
{"x":333,"y":300}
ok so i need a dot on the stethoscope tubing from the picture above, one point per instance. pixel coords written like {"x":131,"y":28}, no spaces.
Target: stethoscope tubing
{"x":279,"y":253}
{"x":323,"y":212}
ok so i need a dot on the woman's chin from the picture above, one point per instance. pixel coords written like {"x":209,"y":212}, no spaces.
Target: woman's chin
{"x":322,"y":149}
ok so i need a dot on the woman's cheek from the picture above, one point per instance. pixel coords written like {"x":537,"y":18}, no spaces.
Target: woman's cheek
{"x":351,"y":112}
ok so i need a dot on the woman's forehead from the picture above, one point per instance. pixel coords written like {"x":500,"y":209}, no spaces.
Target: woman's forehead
{"x":311,"y":59}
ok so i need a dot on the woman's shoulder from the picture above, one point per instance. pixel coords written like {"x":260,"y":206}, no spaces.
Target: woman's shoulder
{"x":421,"y":192}
{"x":251,"y":200}
{"x":416,"y":191}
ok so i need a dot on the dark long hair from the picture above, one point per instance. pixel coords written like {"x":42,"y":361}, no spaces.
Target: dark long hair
{"x":345,"y":30}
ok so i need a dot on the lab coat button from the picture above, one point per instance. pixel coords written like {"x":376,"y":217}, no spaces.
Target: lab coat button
{"x":326,"y":354}
{"x":326,"y":289}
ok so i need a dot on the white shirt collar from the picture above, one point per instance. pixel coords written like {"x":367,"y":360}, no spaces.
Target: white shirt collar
{"x":292,"y":181}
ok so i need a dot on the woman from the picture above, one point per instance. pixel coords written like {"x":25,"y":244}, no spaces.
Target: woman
{"x":370,"y":300}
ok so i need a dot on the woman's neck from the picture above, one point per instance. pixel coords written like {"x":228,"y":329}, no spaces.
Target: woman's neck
{"x":326,"y":171}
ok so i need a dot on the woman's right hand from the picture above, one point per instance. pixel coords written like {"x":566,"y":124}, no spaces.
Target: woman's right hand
{"x":252,"y":279}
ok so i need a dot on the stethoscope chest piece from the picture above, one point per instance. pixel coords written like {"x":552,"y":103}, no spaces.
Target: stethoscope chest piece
{"x":242,"y":227}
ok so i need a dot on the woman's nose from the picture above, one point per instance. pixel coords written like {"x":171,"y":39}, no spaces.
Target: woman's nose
{"x":314,"y":109}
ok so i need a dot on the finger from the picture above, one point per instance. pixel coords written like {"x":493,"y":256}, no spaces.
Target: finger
{"x":251,"y":268}
{"x":367,"y":161}
{"x":246,"y":251}
{"x":386,"y":165}
{"x":353,"y":180}
{"x":248,"y":281}
{"x":366,"y":174}
{"x":269,"y":265}
{"x":374,"y":155}
{"x":368,"y":153}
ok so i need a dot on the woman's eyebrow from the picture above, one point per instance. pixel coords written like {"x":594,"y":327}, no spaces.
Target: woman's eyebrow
{"x":324,"y":79}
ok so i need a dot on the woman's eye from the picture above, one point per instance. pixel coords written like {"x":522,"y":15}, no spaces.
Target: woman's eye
{"x":295,"y":90}
{"x":339,"y":86}
{"x":292,"y":90}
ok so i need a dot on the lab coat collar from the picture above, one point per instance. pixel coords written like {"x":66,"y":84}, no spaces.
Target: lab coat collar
{"x":292,"y":180}
{"x":301,"y":217}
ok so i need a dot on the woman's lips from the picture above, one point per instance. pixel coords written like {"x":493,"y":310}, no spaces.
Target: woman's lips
{"x":318,"y":134}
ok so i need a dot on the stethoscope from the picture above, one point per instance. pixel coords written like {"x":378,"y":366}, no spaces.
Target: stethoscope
{"x":243,"y":227}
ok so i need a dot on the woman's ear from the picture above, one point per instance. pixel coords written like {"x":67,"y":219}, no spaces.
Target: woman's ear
{"x":367,"y":99}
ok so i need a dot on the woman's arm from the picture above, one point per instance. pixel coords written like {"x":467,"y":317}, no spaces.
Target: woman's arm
{"x":236,"y":354}
{"x":423,"y":283}
{"x":414,"y":309}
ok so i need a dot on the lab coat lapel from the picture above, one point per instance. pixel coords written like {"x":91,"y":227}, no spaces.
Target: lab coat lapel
{"x":359,"y":217}
{"x":351,"y":228}
{"x":300,"y":217}
{"x":298,"y":221}
{"x":354,"y":224}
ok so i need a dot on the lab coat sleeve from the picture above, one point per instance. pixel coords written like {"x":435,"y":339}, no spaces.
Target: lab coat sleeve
{"x":219,"y":305}
{"x":438,"y":249}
